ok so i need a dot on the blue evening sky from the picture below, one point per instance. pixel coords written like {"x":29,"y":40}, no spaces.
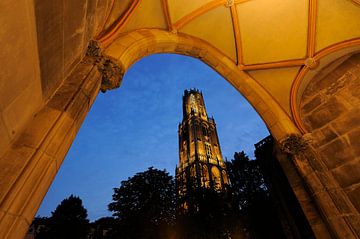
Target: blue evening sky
{"x":134,"y":127}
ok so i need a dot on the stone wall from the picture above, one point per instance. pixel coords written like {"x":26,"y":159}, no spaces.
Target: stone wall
{"x":19,"y":72}
{"x":330,"y":110}
{"x":40,"y":48}
{"x":64,"y":28}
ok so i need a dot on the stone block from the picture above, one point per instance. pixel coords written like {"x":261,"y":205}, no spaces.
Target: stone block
{"x":12,"y":164}
{"x":311,"y":213}
{"x":347,"y":122}
{"x":100,"y":13}
{"x":355,"y":70}
{"x":59,"y":132}
{"x":91,"y":83}
{"x":343,"y":68}
{"x":315,"y":185}
{"x":66,"y":92}
{"x":348,"y":174}
{"x":340,"y":199}
{"x":50,"y":29}
{"x":39,"y":192}
{"x":62,"y":97}
{"x":78,"y":104}
{"x":74,"y":32}
{"x":323,"y":136}
{"x":65,"y":145}
{"x":320,"y":230}
{"x":24,"y":187}
{"x":5,"y":138}
{"x":15,"y":115}
{"x":301,"y":194}
{"x":354,"y":195}
{"x":12,"y":226}
{"x":354,"y":138}
{"x":19,"y":55}
{"x":355,"y":59}
{"x":90,"y":23}
{"x":354,"y":220}
{"x":38,"y":128}
{"x":322,"y":84}
{"x":336,"y":153}
{"x":311,"y":105}
{"x":326,"y":113}
{"x":79,"y":74}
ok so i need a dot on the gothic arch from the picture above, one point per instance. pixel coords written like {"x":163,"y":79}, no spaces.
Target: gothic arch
{"x":130,"y":47}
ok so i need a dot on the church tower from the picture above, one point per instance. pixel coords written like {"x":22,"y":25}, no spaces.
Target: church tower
{"x":200,"y":161}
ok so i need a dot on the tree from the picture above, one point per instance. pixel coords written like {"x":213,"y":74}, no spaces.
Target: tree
{"x":247,"y":180}
{"x":251,"y":198}
{"x":145,"y":205}
{"x":69,"y":220}
{"x":104,"y":228}
{"x":209,"y":215}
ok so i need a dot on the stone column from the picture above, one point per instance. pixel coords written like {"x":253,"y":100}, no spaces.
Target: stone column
{"x":330,"y":199}
{"x":29,"y":167}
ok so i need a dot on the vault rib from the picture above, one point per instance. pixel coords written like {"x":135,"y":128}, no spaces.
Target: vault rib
{"x":237,"y":34}
{"x":165,"y":7}
{"x":311,"y":40}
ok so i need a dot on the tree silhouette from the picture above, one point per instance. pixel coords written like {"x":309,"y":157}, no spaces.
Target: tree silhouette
{"x":247,"y":180}
{"x":209,"y":215}
{"x":145,"y":205}
{"x":69,"y":220}
{"x":251,"y":198}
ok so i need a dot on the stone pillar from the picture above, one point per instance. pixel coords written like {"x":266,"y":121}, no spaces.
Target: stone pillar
{"x":29,"y":167}
{"x":330,"y":199}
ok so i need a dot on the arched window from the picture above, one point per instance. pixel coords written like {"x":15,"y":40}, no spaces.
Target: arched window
{"x":205,"y":176}
{"x":208,"y":150}
{"x":216,"y":176}
{"x":225,"y":178}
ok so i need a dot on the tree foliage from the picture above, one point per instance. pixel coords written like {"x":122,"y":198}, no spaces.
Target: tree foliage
{"x":252,"y":200}
{"x":247,"y":181}
{"x":209,"y":215}
{"x":68,"y":221}
{"x":145,"y":205}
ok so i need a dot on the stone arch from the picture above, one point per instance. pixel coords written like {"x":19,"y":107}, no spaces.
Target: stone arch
{"x":132,"y":46}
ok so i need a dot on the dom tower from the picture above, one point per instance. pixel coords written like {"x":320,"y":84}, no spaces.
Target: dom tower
{"x":200,"y":161}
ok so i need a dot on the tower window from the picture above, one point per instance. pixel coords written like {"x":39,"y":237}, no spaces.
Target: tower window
{"x":204,"y":131}
{"x":208,"y":150}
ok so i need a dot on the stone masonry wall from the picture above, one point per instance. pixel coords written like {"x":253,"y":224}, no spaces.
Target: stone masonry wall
{"x":330,"y":110}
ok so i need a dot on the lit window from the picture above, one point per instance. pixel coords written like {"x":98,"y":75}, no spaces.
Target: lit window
{"x":208,"y":150}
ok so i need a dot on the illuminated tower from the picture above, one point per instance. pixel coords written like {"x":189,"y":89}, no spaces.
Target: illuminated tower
{"x":200,"y":161}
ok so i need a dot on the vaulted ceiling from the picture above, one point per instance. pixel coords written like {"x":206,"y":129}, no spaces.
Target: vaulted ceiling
{"x":273,"y":41}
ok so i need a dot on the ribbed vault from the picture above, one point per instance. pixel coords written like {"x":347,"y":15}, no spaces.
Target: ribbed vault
{"x":278,"y":44}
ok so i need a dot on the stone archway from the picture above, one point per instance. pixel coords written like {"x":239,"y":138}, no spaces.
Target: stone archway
{"x":130,"y":47}
{"x":43,"y":145}
{"x":40,"y":137}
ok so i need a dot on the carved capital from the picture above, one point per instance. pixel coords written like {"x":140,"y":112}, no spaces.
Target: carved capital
{"x":111,"y":72}
{"x":295,"y":144}
{"x":94,"y":50}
